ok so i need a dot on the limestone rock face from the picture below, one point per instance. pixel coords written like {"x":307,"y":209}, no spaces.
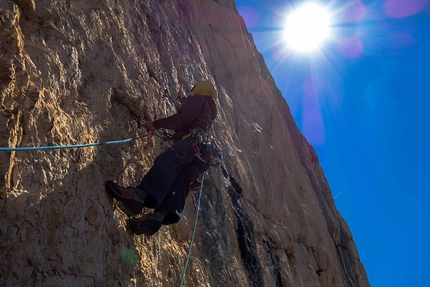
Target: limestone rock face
{"x":75,"y":72}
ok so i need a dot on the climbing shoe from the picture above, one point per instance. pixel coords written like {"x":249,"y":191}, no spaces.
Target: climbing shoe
{"x":132,"y":199}
{"x":146,"y":225}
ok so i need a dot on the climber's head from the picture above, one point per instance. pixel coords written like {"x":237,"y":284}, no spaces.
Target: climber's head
{"x":204,"y":88}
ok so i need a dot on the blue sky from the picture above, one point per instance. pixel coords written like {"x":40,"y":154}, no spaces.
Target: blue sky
{"x":363,"y":102}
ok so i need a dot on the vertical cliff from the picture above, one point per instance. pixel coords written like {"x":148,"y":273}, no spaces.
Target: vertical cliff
{"x":74,"y":72}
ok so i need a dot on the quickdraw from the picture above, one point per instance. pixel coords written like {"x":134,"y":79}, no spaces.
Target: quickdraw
{"x":199,"y":138}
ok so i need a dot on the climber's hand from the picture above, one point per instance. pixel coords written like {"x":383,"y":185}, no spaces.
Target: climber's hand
{"x":150,"y":126}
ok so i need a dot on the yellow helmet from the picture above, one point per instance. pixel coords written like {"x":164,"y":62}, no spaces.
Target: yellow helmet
{"x":204,"y":88}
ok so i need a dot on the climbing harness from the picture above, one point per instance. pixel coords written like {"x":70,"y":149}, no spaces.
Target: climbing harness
{"x":199,"y":138}
{"x":194,"y":232}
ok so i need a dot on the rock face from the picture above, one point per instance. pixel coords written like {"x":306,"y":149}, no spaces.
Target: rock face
{"x":74,"y":72}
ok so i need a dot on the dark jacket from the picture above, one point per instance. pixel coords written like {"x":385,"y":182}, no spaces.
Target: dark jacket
{"x":197,"y":111}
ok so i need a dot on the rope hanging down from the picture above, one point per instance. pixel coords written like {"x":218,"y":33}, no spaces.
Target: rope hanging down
{"x":194,"y":232}
{"x":164,"y":138}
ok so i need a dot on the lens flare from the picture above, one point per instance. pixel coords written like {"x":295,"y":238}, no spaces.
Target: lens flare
{"x":403,"y":8}
{"x":353,"y":12}
{"x":129,"y":256}
{"x":350,"y":47}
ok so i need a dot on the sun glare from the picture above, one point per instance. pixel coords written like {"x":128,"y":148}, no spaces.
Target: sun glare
{"x":307,"y":27}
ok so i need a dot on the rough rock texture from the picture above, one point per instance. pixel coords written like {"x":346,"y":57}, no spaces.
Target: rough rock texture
{"x":75,"y":72}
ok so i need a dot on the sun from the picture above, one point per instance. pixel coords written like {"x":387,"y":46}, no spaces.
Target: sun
{"x":307,"y":27}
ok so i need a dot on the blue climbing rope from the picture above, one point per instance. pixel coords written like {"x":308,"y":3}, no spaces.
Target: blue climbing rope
{"x":163,"y":136}
{"x":194,"y":232}
{"x":71,"y":146}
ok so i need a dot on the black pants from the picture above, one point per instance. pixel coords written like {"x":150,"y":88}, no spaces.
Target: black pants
{"x":167,"y":182}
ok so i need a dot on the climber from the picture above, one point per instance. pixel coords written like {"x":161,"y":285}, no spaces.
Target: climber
{"x":166,"y":185}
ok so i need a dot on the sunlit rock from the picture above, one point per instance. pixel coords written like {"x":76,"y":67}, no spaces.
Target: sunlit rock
{"x":75,"y":72}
